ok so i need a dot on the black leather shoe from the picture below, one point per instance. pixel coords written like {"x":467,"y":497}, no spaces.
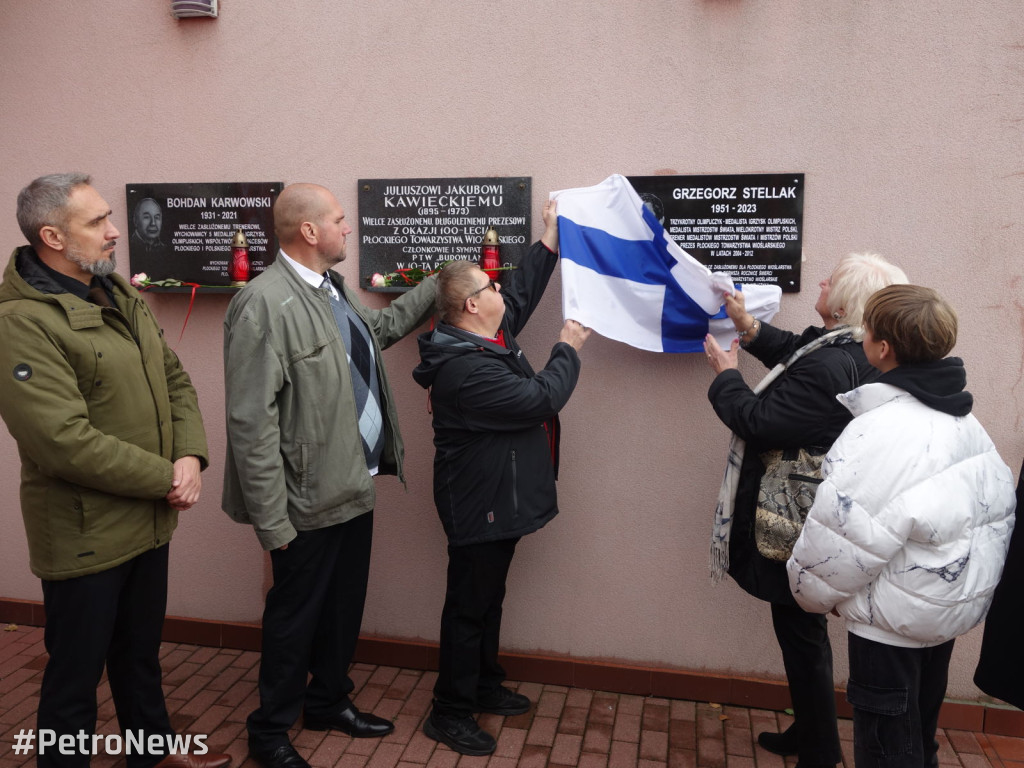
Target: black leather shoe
{"x":460,"y":733}
{"x":779,"y":743}
{"x":280,"y":757}
{"x":502,"y":701}
{"x":358,"y":725}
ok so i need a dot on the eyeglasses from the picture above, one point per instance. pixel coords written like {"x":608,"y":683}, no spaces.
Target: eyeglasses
{"x":489,"y":284}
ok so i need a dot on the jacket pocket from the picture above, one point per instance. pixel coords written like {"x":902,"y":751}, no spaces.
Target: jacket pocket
{"x":65,"y":510}
{"x":881,"y":720}
{"x":304,"y":469}
{"x":300,"y":470}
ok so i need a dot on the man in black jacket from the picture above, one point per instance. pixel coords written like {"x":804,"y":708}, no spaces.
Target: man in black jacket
{"x":496,"y":440}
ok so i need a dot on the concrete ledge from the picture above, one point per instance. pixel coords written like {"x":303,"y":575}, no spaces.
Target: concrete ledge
{"x":592,"y":674}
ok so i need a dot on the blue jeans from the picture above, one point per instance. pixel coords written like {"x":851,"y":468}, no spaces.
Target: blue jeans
{"x":896,"y":694}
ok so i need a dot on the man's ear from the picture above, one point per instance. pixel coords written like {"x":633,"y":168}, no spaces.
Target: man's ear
{"x":309,"y":232}
{"x":471,"y":306}
{"x":52,"y":237}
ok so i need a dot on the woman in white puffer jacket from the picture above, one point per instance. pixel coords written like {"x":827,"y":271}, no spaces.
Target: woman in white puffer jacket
{"x":909,"y":529}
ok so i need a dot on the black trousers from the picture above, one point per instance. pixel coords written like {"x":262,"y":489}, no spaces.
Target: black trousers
{"x":896,"y":694}
{"x":114,"y":617}
{"x":807,"y":656}
{"x":310,"y":625}
{"x":471,"y":625}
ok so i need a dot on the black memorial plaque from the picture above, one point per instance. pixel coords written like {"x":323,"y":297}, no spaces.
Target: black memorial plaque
{"x":419,"y":224}
{"x":749,"y":225}
{"x":183,"y":231}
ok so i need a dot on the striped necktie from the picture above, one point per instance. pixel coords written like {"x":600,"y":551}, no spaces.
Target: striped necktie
{"x":365,"y":383}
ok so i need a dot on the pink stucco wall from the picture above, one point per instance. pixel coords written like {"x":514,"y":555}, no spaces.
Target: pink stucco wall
{"x":907,"y":122}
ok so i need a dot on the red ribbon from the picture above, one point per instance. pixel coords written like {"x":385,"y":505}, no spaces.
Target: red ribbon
{"x":188,"y":314}
{"x":191,"y":301}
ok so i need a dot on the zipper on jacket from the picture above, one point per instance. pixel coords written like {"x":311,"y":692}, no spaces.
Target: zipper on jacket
{"x":515,"y":486}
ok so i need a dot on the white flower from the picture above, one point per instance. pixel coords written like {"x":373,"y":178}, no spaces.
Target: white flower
{"x":377,"y":280}
{"x":141,"y":280}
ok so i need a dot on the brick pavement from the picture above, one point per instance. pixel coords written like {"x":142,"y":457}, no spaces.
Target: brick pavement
{"x":210,"y":691}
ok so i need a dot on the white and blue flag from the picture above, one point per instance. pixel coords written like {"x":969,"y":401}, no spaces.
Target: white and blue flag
{"x":625,"y":278}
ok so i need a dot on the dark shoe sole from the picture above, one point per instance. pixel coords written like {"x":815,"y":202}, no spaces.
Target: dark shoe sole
{"x":441,"y":736}
{"x":505,"y":710}
{"x":321,"y":726}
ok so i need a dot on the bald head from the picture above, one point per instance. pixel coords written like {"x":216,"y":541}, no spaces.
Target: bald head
{"x":310,"y":225}
{"x":296,"y":204}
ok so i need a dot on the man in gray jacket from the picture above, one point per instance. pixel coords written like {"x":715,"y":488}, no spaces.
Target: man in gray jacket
{"x":310,"y":420}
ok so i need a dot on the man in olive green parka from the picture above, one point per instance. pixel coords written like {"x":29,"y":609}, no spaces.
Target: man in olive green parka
{"x":112,"y":445}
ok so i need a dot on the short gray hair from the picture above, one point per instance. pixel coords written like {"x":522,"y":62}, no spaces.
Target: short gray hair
{"x":856,"y":277}
{"x":44,"y":203}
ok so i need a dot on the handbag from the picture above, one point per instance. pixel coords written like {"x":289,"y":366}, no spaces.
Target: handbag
{"x":791,"y":478}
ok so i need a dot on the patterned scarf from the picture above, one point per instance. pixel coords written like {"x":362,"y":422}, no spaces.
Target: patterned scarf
{"x":737,"y":446}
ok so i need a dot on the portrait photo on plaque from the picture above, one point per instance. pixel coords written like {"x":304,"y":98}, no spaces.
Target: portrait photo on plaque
{"x":409,"y":228}
{"x":216,"y":235}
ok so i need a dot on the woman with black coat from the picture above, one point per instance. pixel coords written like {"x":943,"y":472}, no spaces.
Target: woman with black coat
{"x":794,"y":407}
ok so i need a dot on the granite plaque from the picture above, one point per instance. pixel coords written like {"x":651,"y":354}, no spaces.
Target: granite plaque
{"x":749,"y":225}
{"x":414,"y":226}
{"x":183,"y":231}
